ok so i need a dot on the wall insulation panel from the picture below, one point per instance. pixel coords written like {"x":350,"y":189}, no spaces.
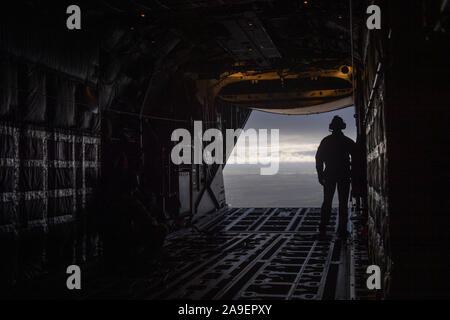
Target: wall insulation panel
{"x":46,"y":178}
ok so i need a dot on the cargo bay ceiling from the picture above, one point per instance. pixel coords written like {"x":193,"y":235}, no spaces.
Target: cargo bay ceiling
{"x":291,"y":57}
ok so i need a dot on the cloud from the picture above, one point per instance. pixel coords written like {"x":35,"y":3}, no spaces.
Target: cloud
{"x":299,"y":136}
{"x":288,"y":151}
{"x":308,"y":127}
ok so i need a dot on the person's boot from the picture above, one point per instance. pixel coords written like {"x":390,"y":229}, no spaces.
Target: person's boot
{"x":343,"y":235}
{"x":322,"y":231}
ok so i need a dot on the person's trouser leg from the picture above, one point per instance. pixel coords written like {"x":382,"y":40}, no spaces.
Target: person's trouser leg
{"x":343,"y":187}
{"x":328,"y":192}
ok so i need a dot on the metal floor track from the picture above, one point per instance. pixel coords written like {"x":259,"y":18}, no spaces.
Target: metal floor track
{"x":251,"y":254}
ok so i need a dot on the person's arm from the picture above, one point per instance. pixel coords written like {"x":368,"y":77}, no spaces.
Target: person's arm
{"x":320,"y":164}
{"x":353,"y":154}
{"x":354,"y":168}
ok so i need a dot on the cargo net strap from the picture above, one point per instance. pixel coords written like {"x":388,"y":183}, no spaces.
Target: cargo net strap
{"x":45,"y":176}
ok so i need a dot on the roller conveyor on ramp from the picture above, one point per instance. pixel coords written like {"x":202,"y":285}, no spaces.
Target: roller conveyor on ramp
{"x":254,"y":254}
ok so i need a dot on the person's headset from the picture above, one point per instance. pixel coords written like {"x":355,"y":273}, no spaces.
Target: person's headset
{"x":337,"y":124}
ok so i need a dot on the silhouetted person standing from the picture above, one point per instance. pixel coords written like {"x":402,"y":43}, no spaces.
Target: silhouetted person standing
{"x":335,"y":151}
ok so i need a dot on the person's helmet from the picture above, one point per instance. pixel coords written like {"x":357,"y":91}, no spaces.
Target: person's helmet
{"x":337,"y":124}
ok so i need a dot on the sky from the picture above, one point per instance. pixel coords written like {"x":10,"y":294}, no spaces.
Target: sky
{"x":295,"y":184}
{"x":299,"y":135}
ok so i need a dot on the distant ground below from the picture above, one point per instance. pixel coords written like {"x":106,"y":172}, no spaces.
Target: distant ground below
{"x":295,"y":185}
